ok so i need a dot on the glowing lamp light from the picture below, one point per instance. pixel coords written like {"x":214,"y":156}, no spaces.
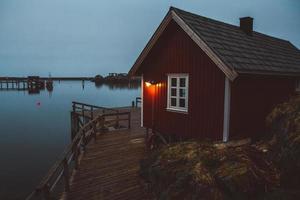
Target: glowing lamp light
{"x":149,"y":83}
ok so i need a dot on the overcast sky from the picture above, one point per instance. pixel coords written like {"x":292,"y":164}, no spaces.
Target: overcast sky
{"x":88,"y":37}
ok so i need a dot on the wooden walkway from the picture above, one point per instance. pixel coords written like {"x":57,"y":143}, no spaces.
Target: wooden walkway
{"x":109,"y":168}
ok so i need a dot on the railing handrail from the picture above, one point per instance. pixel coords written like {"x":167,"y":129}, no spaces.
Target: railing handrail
{"x":115,"y":114}
{"x":74,"y":103}
{"x":60,"y":166}
{"x":138,"y":100}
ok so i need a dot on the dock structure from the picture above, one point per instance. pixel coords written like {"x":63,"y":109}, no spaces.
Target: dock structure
{"x":109,"y":167}
{"x":14,"y":85}
{"x":103,"y":159}
{"x":32,"y":84}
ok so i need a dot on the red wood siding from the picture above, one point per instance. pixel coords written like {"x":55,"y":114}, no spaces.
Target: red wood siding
{"x":252,"y":99}
{"x":175,"y":52}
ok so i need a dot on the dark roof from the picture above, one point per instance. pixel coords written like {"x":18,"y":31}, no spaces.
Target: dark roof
{"x":243,"y":53}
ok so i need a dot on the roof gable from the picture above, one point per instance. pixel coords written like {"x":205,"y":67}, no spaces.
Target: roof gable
{"x":233,"y":51}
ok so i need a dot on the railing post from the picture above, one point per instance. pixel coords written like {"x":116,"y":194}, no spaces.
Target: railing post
{"x":82,"y":112}
{"x":92,"y":112}
{"x":73,"y":107}
{"x":72,"y":125}
{"x":101,"y":123}
{"x":83,"y":139}
{"x":129,"y":120}
{"x":136,"y":102}
{"x":76,"y":154}
{"x":118,"y":119}
{"x":66,"y":175}
{"x":46,"y":192}
{"x":95,"y":130}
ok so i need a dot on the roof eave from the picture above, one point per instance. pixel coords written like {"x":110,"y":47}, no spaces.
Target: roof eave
{"x":230,"y":73}
{"x":134,"y":69}
{"x":269,"y":73}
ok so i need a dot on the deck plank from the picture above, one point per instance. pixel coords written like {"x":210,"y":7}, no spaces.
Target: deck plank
{"x":109,"y":168}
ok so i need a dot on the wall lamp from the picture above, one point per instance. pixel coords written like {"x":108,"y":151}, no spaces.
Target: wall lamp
{"x":149,"y":83}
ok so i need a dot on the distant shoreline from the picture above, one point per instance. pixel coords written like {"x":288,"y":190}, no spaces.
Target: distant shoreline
{"x":53,"y":78}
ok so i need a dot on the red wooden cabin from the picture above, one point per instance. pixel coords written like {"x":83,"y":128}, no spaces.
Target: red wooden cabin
{"x":203,"y":78}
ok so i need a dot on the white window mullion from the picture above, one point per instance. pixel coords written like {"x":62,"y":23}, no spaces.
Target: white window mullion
{"x":177,"y":87}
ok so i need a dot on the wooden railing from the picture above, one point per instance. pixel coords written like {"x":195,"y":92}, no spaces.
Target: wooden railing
{"x":87,"y":110}
{"x":116,"y":121}
{"x":83,"y":113}
{"x":138,"y":100}
{"x":68,"y":162}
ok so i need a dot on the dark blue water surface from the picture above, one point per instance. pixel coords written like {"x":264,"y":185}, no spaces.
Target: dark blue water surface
{"x":35,"y":129}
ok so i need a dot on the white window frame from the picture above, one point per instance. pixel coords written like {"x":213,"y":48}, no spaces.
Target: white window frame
{"x":298,"y":85}
{"x":169,"y":87}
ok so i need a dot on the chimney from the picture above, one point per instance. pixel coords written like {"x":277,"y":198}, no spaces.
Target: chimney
{"x":246,"y":25}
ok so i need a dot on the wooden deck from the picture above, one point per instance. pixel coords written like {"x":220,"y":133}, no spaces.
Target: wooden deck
{"x":109,"y":167}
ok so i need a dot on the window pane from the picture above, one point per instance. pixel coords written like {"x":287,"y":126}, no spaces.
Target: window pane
{"x":173,"y":92}
{"x":182,"y":92}
{"x":182,"y":82}
{"x":174,"y":82}
{"x":182,"y":103}
{"x":173,"y":101}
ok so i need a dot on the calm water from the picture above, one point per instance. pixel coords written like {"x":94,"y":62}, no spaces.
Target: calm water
{"x":35,"y":129}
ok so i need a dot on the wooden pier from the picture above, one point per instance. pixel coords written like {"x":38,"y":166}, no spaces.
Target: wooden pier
{"x":100,"y":163}
{"x":14,"y":85}
{"x":32,"y":83}
{"x":109,"y":167}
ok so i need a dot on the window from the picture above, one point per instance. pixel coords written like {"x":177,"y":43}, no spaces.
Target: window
{"x":178,"y":92}
{"x":298,"y":85}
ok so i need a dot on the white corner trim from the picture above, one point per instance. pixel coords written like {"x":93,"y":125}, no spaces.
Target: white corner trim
{"x":231,"y":74}
{"x":226,"y":118}
{"x":142,"y":100}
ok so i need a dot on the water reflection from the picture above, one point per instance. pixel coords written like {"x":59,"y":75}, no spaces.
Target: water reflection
{"x":35,"y":87}
{"x":31,"y":84}
{"x":37,"y":128}
{"x":82,"y":84}
{"x":115,"y":86}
